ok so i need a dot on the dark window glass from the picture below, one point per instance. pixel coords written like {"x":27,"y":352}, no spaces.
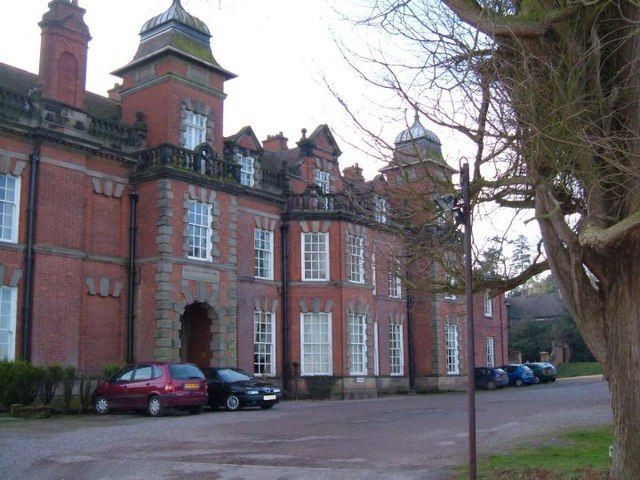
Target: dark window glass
{"x":230,"y":376}
{"x":184,"y":371}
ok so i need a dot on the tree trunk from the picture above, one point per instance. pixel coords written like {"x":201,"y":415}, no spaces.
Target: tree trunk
{"x":622,"y":370}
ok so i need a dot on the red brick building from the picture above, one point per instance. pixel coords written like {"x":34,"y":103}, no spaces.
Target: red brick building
{"x":132,"y":229}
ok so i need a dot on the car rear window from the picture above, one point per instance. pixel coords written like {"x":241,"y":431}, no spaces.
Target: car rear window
{"x":184,"y":371}
{"x":231,"y":375}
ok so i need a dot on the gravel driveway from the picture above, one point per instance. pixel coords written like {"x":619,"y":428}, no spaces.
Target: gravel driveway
{"x":402,"y":437}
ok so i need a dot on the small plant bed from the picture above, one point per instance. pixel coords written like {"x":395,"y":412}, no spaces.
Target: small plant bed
{"x":576,"y":455}
{"x":579,"y":369}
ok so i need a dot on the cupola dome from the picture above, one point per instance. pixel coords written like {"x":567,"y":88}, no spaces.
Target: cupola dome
{"x":417,"y":132}
{"x":175,"y":14}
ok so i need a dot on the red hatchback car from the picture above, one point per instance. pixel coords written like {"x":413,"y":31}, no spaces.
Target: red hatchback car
{"x":153,"y":386}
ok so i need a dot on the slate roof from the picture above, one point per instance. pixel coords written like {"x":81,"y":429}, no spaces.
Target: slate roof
{"x":547,"y":307}
{"x":20,"y":81}
{"x":176,"y":31}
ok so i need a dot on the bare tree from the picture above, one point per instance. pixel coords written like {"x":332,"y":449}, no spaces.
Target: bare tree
{"x":548,"y":93}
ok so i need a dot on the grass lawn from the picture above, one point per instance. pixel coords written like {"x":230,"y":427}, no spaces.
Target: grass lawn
{"x":579,"y":369}
{"x":577,"y":455}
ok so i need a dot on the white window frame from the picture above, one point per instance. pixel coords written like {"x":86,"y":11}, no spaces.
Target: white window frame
{"x":308,"y":275}
{"x":263,"y":252}
{"x":395,"y":283}
{"x":376,"y":350}
{"x":396,"y":349}
{"x":373,"y":274}
{"x":8,"y":304}
{"x":357,"y":330}
{"x":381,"y":210}
{"x":207,"y":231}
{"x":449,"y":279}
{"x":247,"y":169}
{"x":14,"y":216}
{"x":323,"y":180}
{"x":490,"y":352}
{"x":355,"y":246}
{"x":195,"y":129}
{"x":304,"y":366}
{"x":452,"y":348}
{"x":264,"y":346}
{"x":488,"y":304}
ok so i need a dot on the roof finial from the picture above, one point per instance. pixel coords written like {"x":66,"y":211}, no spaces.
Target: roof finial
{"x":416,"y":118}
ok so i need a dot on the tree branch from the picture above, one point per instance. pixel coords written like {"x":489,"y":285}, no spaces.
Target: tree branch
{"x":500,"y":285}
{"x":473,"y":14}
{"x":593,"y":236}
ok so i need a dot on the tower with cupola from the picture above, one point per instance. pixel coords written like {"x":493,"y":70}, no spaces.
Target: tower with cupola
{"x":175,"y":83}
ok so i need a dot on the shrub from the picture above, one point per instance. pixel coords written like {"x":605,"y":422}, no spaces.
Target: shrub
{"x":68,"y":382}
{"x":53,"y":375}
{"x":110,"y":369}
{"x":84,"y":391}
{"x":320,"y":387}
{"x":19,"y":382}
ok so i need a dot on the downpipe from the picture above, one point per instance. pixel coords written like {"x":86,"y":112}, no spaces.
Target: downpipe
{"x":133,"y":229}
{"x":29,"y":257}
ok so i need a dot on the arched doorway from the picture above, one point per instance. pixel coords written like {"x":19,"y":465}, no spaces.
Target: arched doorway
{"x":195,"y":334}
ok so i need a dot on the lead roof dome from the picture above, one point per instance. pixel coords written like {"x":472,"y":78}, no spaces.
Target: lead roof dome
{"x":176,"y":13}
{"x":417,"y":132}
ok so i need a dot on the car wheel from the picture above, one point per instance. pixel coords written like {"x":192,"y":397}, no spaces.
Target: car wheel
{"x":267,"y":407}
{"x":491,"y":385}
{"x":195,"y":410}
{"x":102,"y":406}
{"x":552,"y":380}
{"x":518,"y":382}
{"x":232,"y":403}
{"x":154,"y":407}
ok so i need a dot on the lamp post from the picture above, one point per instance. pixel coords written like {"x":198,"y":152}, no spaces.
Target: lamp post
{"x":462,"y":215}
{"x":471,"y":381}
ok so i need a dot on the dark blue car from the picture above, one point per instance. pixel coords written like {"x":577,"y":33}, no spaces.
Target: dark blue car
{"x":490,"y":378}
{"x":519,"y":375}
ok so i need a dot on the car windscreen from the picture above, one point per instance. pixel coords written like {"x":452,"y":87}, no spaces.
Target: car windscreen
{"x":230,"y":376}
{"x":184,"y":371}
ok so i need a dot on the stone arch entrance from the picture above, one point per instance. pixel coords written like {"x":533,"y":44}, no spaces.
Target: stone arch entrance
{"x":195,"y":334}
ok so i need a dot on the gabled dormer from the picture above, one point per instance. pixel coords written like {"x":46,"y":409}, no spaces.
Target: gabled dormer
{"x":245,"y":149}
{"x":319,"y":160}
{"x":175,"y":80}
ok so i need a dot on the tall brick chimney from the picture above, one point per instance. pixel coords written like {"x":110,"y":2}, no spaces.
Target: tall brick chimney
{"x":275,"y":143}
{"x":63,"y":52}
{"x":353,"y":173}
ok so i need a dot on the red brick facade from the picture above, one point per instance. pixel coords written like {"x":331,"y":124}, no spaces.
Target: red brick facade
{"x":93,"y":158}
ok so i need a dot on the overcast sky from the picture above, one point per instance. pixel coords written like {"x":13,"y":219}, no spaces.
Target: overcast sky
{"x":280,"y":50}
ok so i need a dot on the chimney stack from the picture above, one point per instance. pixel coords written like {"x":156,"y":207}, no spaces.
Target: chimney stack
{"x":275,"y":143}
{"x":353,"y":173}
{"x":63,"y":53}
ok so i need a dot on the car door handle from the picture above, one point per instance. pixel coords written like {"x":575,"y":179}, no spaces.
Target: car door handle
{"x":147,"y":384}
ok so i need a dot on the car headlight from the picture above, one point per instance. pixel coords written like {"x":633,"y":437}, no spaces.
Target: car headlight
{"x":252,"y":392}
{"x":276,"y":390}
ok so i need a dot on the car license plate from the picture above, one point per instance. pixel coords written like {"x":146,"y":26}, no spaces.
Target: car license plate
{"x":191,"y":386}
{"x":269,"y":397}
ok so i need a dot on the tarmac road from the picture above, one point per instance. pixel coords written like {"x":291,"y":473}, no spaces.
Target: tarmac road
{"x":401,"y":437}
